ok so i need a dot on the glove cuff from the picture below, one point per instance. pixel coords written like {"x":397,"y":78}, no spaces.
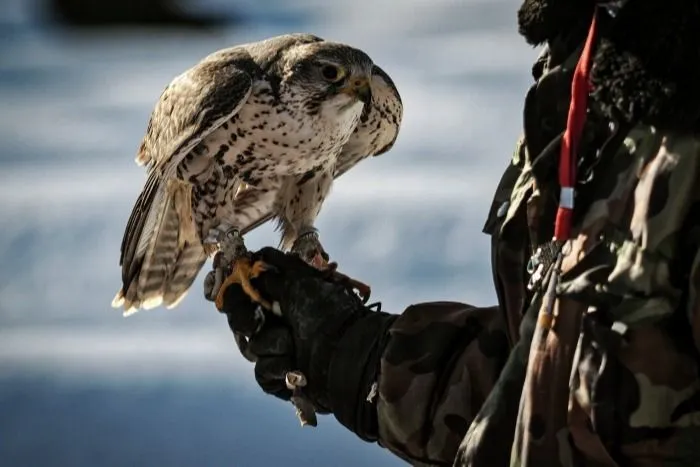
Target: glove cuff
{"x":353,"y":369}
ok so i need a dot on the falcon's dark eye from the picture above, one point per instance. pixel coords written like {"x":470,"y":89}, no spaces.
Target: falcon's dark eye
{"x":332,"y":73}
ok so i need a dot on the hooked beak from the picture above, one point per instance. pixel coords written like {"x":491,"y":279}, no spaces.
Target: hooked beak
{"x":359,"y":88}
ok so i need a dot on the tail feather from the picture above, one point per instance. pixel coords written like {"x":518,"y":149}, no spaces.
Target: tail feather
{"x":189,"y":263}
{"x":130,"y":260}
{"x":161,"y":253}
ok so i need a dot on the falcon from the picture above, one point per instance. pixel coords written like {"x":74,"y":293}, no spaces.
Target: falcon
{"x":249,"y":134}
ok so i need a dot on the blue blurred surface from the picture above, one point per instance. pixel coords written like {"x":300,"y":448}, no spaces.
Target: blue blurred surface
{"x":82,"y":386}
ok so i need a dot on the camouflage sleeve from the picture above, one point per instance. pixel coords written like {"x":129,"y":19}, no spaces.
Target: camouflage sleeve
{"x":438,"y":366}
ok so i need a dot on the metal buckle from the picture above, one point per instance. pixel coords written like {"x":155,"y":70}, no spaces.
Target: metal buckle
{"x":534,"y":268}
{"x":540,"y":261}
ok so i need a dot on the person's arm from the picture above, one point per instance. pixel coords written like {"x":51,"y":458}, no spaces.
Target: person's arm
{"x":412,"y":382}
{"x":438,"y":365}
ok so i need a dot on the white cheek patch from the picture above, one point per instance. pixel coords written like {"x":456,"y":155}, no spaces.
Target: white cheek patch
{"x":344,"y":113}
{"x":336,"y":104}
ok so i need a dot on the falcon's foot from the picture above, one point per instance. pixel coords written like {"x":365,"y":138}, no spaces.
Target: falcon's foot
{"x":224,"y":236}
{"x":362,"y":289}
{"x":242,"y":271}
{"x":232,"y":265}
{"x":310,"y":249}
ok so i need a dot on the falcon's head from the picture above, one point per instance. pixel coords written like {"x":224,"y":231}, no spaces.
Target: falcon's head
{"x":329,"y":77}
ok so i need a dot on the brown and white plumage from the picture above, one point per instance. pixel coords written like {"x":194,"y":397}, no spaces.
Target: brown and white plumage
{"x":374,"y":135}
{"x":250,"y":133}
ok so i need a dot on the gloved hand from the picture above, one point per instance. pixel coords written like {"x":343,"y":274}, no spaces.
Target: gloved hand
{"x":317,"y":327}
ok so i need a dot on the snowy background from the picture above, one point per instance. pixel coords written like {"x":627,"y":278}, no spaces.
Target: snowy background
{"x":82,"y":386}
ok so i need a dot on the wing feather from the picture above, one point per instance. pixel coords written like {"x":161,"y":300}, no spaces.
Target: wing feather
{"x":192,"y":106}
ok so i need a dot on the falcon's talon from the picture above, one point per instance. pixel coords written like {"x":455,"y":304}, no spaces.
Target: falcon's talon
{"x":242,"y":272}
{"x":363,"y":290}
{"x":258,"y":268}
{"x":330,"y":271}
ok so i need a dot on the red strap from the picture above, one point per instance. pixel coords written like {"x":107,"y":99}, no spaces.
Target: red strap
{"x":580,"y":87}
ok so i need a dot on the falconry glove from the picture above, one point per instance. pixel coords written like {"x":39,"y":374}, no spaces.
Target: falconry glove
{"x":313,"y":326}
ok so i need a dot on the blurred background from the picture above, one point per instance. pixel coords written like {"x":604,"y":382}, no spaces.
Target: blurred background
{"x":82,"y":386}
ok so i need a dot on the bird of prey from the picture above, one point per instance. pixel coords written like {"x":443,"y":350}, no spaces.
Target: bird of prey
{"x":250,"y":133}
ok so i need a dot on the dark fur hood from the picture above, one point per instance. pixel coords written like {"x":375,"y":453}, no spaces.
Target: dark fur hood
{"x":646,"y":64}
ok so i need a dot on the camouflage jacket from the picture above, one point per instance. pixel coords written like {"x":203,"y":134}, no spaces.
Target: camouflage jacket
{"x":614,"y":381}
